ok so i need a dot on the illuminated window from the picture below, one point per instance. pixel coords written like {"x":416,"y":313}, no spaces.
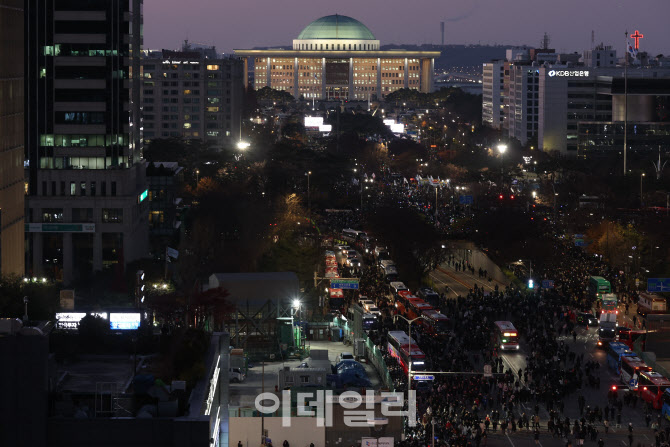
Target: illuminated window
{"x":212,"y":67}
{"x":212,"y":109}
{"x":187,"y":125}
{"x":187,"y":92}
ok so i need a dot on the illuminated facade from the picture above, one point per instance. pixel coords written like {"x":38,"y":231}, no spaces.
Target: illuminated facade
{"x":337,"y":57}
{"x":191,"y":95}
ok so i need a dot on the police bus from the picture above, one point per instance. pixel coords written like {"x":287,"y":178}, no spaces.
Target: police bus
{"x":651,"y":386}
{"x":630,"y":369}
{"x":506,"y":337}
{"x":403,"y":348}
{"x":615,"y":351}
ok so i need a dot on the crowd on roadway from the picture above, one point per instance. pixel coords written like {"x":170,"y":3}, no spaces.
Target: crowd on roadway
{"x":465,"y":408}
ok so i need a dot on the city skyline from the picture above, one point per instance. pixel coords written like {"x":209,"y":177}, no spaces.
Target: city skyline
{"x":169,"y":22}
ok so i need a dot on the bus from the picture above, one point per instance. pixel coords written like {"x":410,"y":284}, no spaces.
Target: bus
{"x":402,"y":301}
{"x":597,"y":286}
{"x":369,"y":322}
{"x":336,"y":299}
{"x":631,"y":366}
{"x":666,"y":404}
{"x":609,"y":303}
{"x":399,"y":345}
{"x":651,"y":386}
{"x":505,"y":335}
{"x":650,"y":303}
{"x":615,"y":351}
{"x":434,"y":322}
{"x":415,"y":307}
{"x":629,"y":336}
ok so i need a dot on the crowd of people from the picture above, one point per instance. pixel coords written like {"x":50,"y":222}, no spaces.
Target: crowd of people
{"x":465,"y":408}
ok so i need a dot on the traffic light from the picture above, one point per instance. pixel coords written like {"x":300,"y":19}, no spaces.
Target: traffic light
{"x":139,"y":287}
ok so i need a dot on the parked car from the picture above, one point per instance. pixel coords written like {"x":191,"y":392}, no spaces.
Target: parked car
{"x":586,"y":319}
{"x":236,"y":375}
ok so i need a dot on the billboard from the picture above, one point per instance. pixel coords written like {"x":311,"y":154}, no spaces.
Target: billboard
{"x":124,"y":321}
{"x":313,"y":121}
{"x":70,"y":320}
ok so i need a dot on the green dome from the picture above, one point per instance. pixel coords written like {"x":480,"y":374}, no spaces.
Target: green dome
{"x":336,"y":27}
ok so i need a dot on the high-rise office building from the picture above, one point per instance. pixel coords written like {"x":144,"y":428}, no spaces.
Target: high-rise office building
{"x":86,"y":181}
{"x":12,"y":257}
{"x":194,"y":94}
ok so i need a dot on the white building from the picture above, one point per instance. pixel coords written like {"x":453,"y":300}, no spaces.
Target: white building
{"x":521,"y":101}
{"x":493,"y":89}
{"x":571,"y":98}
{"x":600,"y":56}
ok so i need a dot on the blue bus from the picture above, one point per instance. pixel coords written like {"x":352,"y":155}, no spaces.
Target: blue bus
{"x":666,"y":404}
{"x":616,"y":350}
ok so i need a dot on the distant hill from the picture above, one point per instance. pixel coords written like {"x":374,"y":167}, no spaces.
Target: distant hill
{"x":458,"y":55}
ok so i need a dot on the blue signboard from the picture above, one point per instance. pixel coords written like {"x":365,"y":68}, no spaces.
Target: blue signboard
{"x":580,"y":243}
{"x":465,"y":200}
{"x":658,"y":285}
{"x":547,"y":283}
{"x":424,"y":377}
{"x":344,"y":284}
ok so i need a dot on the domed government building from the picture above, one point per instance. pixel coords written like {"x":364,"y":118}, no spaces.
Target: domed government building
{"x":337,"y":57}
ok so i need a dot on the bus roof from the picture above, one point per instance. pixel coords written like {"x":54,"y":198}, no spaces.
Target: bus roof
{"x":433,"y":314}
{"x":618,"y":346}
{"x":401,"y":337}
{"x":635,"y":361}
{"x":655,"y":378}
{"x":599,"y":279}
{"x":505,"y":325}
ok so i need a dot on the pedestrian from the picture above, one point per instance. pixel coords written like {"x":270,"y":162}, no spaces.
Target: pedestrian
{"x":601,"y":443}
{"x":239,"y":443}
{"x":606,"y":424}
{"x":537,"y":436}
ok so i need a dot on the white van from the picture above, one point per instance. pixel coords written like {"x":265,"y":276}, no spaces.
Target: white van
{"x":608,"y":319}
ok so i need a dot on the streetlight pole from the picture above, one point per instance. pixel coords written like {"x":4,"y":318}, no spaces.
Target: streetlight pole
{"x":309,"y":204}
{"x":436,"y":203}
{"x":502,"y":148}
{"x":641,"y":177}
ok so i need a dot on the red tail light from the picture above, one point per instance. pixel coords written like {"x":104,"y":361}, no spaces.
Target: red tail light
{"x":613,"y":387}
{"x":501,"y":197}
{"x":512,"y":197}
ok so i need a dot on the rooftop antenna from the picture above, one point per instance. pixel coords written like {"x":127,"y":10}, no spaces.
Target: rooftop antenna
{"x":593,"y":39}
{"x":545,"y":41}
{"x":442,"y":31}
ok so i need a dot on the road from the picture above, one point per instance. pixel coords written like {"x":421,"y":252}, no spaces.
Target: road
{"x":460,"y":283}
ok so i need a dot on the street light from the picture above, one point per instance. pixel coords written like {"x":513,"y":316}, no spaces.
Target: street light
{"x":409,"y":367}
{"x":530,"y":272}
{"x":309,"y":207}
{"x":197,"y":176}
{"x":641,"y":176}
{"x":243,"y":145}
{"x":502,"y":148}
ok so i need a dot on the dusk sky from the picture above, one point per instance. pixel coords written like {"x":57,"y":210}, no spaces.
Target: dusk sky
{"x":249,"y":23}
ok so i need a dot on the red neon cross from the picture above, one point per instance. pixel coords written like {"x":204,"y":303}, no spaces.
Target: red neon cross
{"x":637,"y":36}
